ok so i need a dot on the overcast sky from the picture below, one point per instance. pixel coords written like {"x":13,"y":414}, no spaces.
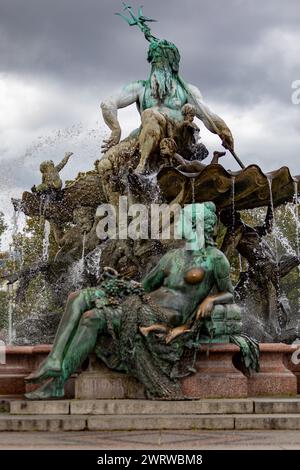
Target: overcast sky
{"x":60,"y":58}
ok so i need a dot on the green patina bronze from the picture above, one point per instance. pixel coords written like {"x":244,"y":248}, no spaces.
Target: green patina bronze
{"x":152,"y":330}
{"x":164,"y":58}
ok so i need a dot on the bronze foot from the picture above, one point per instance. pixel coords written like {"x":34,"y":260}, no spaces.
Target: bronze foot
{"x":50,"y":368}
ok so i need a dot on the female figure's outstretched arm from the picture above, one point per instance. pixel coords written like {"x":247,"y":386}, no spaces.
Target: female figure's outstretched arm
{"x":223,"y":285}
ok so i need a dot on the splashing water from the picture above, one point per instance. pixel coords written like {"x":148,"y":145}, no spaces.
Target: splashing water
{"x":76,"y":274}
{"x":77,"y":269}
{"x":233,"y":222}
{"x":10,"y":295}
{"x":22,"y":249}
{"x":92,"y":262}
{"x":283,"y":240}
{"x":84,"y":141}
{"x":240,"y":263}
{"x":275,"y":234}
{"x":15,"y":221}
{"x":193,"y":189}
{"x":14,"y":255}
{"x":233,"y":203}
{"x":154,"y":188}
{"x":46,"y":240}
{"x":296,"y":218}
{"x":275,"y":229}
{"x":83,"y":246}
{"x":296,"y":215}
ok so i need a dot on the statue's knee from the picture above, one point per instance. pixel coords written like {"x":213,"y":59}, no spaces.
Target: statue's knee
{"x":73,"y":295}
{"x":88,"y":317}
{"x":104,"y":164}
{"x":147,"y":114}
{"x":153,"y":121}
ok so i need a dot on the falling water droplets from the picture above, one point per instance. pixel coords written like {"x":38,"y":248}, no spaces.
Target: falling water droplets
{"x":193,"y":189}
{"x":46,"y":240}
{"x":233,"y":204}
{"x":296,"y":215}
{"x":10,"y":295}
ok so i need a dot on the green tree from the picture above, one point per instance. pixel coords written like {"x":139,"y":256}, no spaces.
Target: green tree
{"x":3,"y":225}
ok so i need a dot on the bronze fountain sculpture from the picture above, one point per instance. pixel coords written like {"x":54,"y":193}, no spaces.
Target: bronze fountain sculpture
{"x":155,"y":301}
{"x":144,"y":329}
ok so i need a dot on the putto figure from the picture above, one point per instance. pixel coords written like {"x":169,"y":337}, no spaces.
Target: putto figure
{"x":160,"y":100}
{"x":51,"y":179}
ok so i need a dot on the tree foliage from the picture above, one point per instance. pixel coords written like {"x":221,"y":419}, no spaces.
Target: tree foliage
{"x":3,"y":225}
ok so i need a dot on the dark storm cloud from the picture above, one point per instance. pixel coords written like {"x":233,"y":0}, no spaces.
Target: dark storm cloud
{"x":83,"y":43}
{"x":59,"y":58}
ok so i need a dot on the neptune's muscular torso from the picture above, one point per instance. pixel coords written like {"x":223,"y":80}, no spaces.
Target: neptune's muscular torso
{"x":170,"y":105}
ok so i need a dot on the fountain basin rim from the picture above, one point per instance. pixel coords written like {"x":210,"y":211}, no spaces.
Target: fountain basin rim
{"x":217,"y":347}
{"x":269,"y":174}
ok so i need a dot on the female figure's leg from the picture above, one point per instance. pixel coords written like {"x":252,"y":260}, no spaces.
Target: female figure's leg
{"x":83,"y":343}
{"x":77,"y":304}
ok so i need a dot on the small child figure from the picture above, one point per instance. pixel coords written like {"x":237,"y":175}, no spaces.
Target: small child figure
{"x":188,"y":135}
{"x":189,"y":113}
{"x":51,"y":179}
{"x":168,"y":150}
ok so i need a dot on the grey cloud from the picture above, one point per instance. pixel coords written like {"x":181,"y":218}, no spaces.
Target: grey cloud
{"x":81,"y":48}
{"x":84,"y":43}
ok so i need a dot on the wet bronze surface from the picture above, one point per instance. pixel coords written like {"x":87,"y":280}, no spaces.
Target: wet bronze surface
{"x":214,"y":183}
{"x":194,"y":275}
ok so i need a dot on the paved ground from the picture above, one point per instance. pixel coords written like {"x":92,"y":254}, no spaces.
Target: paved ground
{"x":181,"y":440}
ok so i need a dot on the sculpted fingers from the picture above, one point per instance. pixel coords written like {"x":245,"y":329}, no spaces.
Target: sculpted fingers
{"x":114,"y":139}
{"x":204,"y":308}
{"x":227,"y":141}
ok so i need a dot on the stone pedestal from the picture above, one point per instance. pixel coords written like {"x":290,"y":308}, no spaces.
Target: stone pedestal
{"x":99,"y":382}
{"x":292,"y":362}
{"x":216,"y":375}
{"x":274,"y":378}
{"x":20,"y":361}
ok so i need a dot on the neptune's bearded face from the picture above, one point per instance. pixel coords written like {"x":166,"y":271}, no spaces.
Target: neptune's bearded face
{"x":164,"y":58}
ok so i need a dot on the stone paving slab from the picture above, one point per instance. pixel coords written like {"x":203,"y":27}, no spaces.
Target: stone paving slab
{"x":155,"y":407}
{"x":288,"y":405}
{"x":42,"y":423}
{"x":152,"y":440}
{"x":57,"y":423}
{"x":51,"y":407}
{"x":268,"y":422}
{"x":143,"y":407}
{"x":169,"y":422}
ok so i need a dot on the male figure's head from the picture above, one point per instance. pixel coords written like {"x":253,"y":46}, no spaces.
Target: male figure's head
{"x":167,"y":147}
{"x":188,"y":112}
{"x":164,"y":58}
{"x":83,"y":217}
{"x":46,"y":166}
{"x":162,"y":53}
